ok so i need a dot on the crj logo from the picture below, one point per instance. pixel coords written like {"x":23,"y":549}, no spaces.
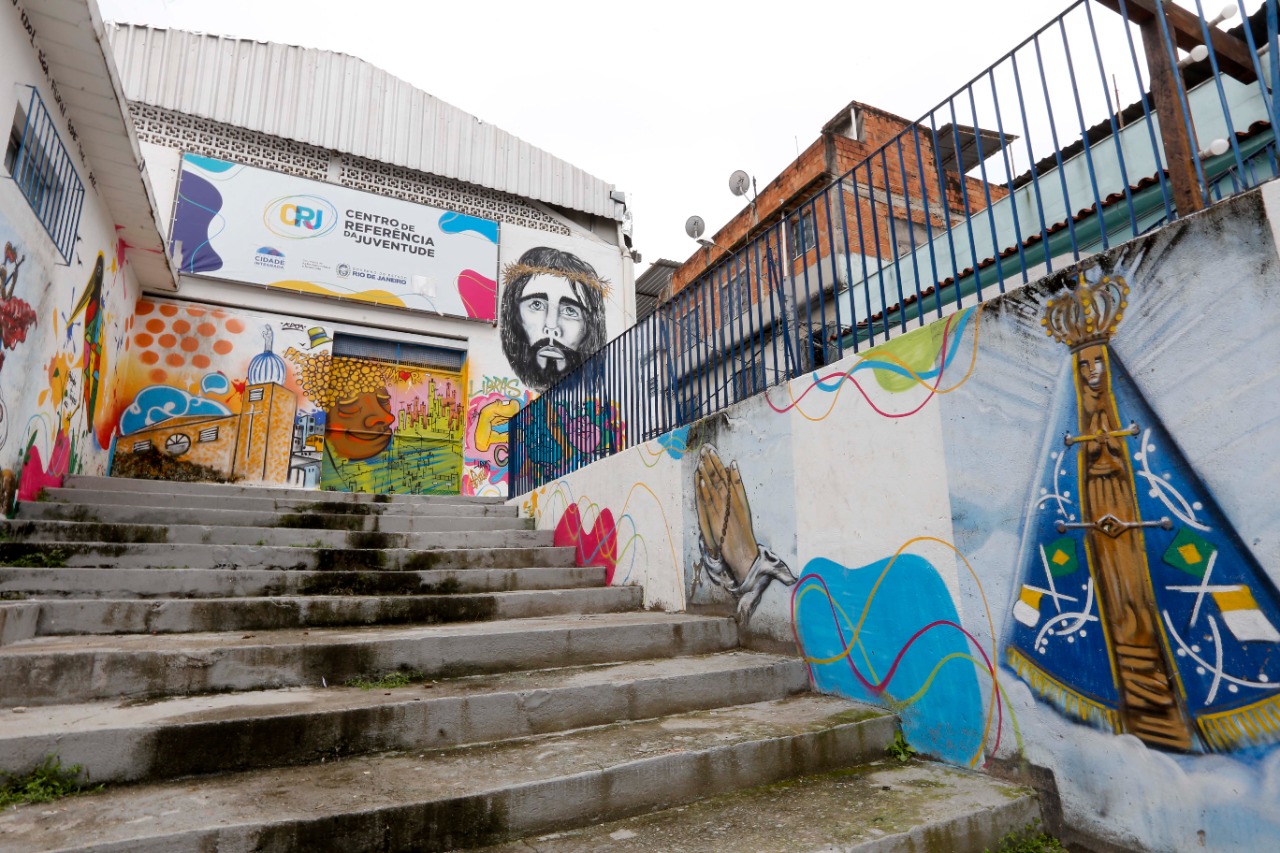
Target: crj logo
{"x":297,"y":217}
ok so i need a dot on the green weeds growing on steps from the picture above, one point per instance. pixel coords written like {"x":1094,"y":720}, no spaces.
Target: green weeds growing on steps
{"x":53,"y":558}
{"x":48,"y":781}
{"x":899,"y":748}
{"x":1029,"y":840}
{"x":387,"y":681}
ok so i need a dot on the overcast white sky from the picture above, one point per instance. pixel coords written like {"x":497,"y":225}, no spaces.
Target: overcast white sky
{"x":663,"y":99}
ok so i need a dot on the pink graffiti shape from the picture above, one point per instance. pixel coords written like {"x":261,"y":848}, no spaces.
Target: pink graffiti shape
{"x":34,"y":474}
{"x":479,"y":295}
{"x":583,"y":433}
{"x":597,"y":547}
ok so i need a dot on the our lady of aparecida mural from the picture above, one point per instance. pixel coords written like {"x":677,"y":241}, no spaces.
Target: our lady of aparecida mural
{"x":1139,"y":610}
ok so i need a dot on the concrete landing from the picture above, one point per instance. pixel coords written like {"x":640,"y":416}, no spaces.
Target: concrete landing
{"x":883,"y":807}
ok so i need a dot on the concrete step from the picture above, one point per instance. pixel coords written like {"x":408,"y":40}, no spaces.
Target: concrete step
{"x":304,"y":504}
{"x":125,"y":484}
{"x":193,"y":615}
{"x":141,"y":555}
{"x":127,"y":742}
{"x":61,"y":670}
{"x":231,"y":583}
{"x":468,"y":796}
{"x":883,"y":807}
{"x":475,"y":518}
{"x":203,"y":534}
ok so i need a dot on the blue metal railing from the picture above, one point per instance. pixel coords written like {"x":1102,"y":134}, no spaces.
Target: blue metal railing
{"x":1052,"y":153}
{"x":45,"y":174}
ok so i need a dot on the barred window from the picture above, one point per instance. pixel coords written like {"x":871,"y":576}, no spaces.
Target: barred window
{"x":42,"y":168}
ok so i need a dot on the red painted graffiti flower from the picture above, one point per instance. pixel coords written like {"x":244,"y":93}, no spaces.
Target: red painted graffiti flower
{"x":10,"y":254}
{"x":16,"y":317}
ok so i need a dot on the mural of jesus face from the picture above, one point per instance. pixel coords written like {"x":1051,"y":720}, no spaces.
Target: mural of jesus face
{"x":552,"y":315}
{"x":553,"y":320}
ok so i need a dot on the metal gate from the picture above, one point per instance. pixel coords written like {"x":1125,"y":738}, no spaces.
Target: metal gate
{"x":397,"y":420}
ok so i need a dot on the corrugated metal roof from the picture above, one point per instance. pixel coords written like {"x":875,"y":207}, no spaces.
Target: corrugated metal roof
{"x":344,"y":104}
{"x":651,"y":284}
{"x":69,"y":35}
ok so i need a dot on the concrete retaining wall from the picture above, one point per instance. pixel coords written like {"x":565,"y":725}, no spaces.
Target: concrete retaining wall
{"x":910,"y":521}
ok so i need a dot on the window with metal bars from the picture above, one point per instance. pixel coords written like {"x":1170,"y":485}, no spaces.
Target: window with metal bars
{"x":42,"y":168}
{"x":804,"y":232}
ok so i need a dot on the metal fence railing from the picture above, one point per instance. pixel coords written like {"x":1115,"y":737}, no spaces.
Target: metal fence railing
{"x":1114,"y":118}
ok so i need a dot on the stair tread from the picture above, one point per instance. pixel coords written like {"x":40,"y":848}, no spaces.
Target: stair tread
{"x":145,"y":514}
{"x":134,"y":484}
{"x":215,"y":640}
{"x":864,"y":808}
{"x":301,"y":501}
{"x":152,"y":584}
{"x":58,"y":720}
{"x":32,"y":530}
{"x":241,"y":804}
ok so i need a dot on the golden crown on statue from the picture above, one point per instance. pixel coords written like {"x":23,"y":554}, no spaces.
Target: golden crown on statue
{"x":1088,"y":314}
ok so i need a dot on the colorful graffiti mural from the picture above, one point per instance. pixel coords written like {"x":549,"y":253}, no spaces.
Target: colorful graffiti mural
{"x":388,"y":428}
{"x":1139,"y":611}
{"x":83,"y":340}
{"x":212,"y":398}
{"x":1118,"y":627}
{"x":889,"y":633}
{"x":552,"y":315}
{"x":729,"y":552}
{"x":16,"y":315}
{"x":217,"y":395}
{"x":494,"y":400}
{"x":592,"y":428}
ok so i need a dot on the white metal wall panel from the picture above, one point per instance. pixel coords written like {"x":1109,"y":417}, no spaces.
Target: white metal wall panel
{"x":344,"y":104}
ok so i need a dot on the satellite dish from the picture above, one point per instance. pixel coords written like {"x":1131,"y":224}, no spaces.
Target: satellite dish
{"x":694,"y":227}
{"x":739,"y":182}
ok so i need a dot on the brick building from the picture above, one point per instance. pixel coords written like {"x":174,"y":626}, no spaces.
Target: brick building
{"x":819,"y":246}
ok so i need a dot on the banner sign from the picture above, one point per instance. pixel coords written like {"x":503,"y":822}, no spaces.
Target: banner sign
{"x":251,"y":225}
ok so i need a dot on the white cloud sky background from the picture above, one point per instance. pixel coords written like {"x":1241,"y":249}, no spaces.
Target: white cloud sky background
{"x":663,"y":99}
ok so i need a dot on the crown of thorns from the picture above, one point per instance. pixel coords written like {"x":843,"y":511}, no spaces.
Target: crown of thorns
{"x":515,"y":270}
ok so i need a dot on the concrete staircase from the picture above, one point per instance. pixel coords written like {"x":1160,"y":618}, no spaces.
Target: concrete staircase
{"x":252,"y":669}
